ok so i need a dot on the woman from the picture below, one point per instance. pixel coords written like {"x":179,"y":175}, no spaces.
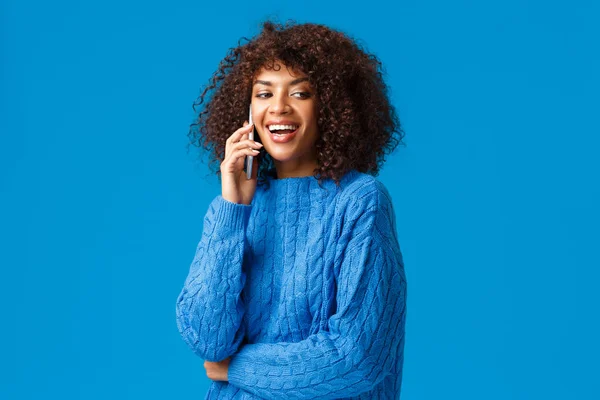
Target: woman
{"x":297,"y":288}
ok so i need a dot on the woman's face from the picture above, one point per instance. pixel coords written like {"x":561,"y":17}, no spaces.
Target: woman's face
{"x":284,"y":115}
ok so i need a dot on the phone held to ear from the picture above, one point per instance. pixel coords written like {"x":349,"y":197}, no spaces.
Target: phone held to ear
{"x":249,"y":159}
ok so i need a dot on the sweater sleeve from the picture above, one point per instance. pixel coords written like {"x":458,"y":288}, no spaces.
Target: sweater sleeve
{"x":209,"y":308}
{"x":364,"y":341}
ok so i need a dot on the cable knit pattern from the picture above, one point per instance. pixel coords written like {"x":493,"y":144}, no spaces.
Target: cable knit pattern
{"x":304,"y":289}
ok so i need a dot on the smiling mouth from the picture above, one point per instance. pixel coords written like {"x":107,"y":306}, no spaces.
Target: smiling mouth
{"x":282,"y":133}
{"x":281,"y":130}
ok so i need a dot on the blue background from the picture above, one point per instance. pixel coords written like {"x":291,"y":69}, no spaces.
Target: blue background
{"x":496,"y":193}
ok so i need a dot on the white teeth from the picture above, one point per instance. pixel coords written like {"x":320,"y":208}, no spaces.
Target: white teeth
{"x":282,"y":127}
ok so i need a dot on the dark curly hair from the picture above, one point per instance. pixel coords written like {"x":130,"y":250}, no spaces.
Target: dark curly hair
{"x":357,"y":124}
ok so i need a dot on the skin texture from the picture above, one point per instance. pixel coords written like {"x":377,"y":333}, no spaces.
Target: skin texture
{"x":217,"y":371}
{"x":279,"y":95}
{"x":235,"y":186}
{"x":356,"y":123}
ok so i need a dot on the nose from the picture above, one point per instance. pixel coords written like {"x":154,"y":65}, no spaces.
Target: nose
{"x":279,"y":104}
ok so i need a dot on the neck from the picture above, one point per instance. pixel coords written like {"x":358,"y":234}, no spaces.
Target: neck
{"x":295,"y":169}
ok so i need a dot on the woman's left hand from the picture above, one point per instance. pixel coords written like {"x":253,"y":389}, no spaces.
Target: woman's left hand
{"x":217,"y":371}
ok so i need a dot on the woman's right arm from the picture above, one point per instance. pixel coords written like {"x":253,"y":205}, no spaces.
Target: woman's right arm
{"x":209,"y":308}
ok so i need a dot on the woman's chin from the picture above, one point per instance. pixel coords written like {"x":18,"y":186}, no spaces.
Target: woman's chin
{"x":281,"y":155}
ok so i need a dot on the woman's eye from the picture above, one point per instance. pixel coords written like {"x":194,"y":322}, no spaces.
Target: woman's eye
{"x":302,"y":95}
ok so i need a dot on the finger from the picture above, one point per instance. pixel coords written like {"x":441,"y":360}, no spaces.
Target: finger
{"x":233,"y":164}
{"x":242,"y":153}
{"x":236,"y":135}
{"x":245,"y":142}
{"x":237,"y":145}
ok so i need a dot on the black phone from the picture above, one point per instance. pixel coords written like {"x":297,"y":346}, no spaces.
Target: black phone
{"x":249,"y":159}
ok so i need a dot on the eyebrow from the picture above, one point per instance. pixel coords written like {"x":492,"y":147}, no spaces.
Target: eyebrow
{"x":294,"y":82}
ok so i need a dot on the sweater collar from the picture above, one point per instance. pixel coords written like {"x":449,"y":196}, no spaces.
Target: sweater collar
{"x":306,"y":183}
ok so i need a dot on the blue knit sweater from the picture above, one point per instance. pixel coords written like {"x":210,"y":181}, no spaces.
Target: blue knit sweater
{"x":304,"y":289}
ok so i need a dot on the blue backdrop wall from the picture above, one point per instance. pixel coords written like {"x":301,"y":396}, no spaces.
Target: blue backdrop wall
{"x":496,"y":193}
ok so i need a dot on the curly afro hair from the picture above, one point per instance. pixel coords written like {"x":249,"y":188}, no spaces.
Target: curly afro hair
{"x":357,"y":124}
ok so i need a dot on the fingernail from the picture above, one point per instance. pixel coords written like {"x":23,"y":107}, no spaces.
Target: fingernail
{"x":260,"y":144}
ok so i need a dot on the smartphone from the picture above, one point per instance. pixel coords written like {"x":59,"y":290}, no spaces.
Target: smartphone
{"x":249,"y":159}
